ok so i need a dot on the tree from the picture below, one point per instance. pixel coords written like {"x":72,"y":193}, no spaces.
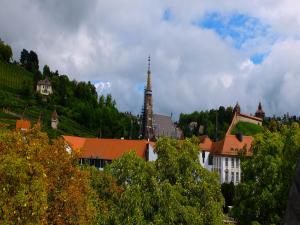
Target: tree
{"x":5,"y":52}
{"x":46,"y":71}
{"x":228,"y":193}
{"x":40,"y":182}
{"x":33,"y":61}
{"x":173,"y":190}
{"x":24,"y":57}
{"x":267,"y":175}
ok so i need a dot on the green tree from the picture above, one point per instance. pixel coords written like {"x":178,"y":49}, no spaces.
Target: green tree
{"x":46,"y":71}
{"x":267,"y":176}
{"x":5,"y":52}
{"x":173,"y":190}
{"x":24,"y":57}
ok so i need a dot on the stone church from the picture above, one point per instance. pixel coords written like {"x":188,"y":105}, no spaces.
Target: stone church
{"x":155,"y":125}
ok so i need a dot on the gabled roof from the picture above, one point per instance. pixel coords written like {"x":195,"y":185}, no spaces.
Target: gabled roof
{"x":23,"y":124}
{"x":229,"y":146}
{"x":205,"y":143}
{"x":46,"y":81}
{"x":164,"y":126}
{"x":106,"y":148}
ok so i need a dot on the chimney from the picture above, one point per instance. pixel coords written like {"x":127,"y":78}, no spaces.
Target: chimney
{"x":239,"y":136}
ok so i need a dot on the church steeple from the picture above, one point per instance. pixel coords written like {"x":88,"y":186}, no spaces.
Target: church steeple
{"x":260,"y":112}
{"x":149,"y":75}
{"x":147,"y":126}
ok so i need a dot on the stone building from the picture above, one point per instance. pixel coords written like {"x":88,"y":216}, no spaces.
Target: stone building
{"x":147,"y":113}
{"x":44,"y":87}
{"x":54,"y":120}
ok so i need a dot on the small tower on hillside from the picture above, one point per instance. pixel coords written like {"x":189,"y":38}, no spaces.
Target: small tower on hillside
{"x":237,"y":108}
{"x":54,"y":120}
{"x":147,"y":120}
{"x":260,"y":112}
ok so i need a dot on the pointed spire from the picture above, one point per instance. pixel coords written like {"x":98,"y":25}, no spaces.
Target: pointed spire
{"x":237,"y":108}
{"x":149,"y":75}
{"x":149,"y":61}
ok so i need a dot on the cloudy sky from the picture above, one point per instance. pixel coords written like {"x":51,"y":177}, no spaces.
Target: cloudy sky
{"x":204,"y":53}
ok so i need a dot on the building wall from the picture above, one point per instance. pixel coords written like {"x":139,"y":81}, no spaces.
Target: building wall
{"x":249,"y":120}
{"x":228,"y":169}
{"x":152,"y":156}
{"x":54,"y":124}
{"x":44,"y":89}
{"x":204,"y":160}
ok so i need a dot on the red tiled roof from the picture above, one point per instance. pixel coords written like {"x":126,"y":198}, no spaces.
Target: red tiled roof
{"x":229,"y":146}
{"x":23,"y":124}
{"x":205,"y":143}
{"x":75,"y":142}
{"x":106,"y":148}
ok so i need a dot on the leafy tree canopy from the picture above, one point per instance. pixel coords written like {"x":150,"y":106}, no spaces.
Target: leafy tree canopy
{"x":5,"y":52}
{"x":262,"y":196}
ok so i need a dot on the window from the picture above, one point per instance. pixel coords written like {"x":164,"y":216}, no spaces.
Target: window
{"x":210,"y":160}
{"x":203,"y":156}
{"x":237,"y":178}
{"x":232,"y":162}
{"x":237,"y":163}
{"x":232,"y":176}
{"x":226,"y":176}
{"x":226,"y":162}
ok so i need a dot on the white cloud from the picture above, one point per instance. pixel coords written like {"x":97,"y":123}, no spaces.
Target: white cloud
{"x":193,"y":69}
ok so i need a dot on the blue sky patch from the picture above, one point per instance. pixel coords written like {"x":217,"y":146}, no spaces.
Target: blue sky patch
{"x":167,"y":15}
{"x":258,"y":58}
{"x":240,"y":28}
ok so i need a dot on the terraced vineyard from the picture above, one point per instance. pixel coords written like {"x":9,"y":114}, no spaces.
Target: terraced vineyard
{"x":13,"y":77}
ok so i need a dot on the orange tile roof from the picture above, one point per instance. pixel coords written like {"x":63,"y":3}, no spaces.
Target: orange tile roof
{"x":229,"y":146}
{"x":75,"y":142}
{"x":205,"y":143}
{"x":23,"y":124}
{"x":106,"y":148}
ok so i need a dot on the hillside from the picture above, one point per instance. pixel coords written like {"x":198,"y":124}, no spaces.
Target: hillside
{"x":76,"y":103}
{"x":247,"y":128}
{"x":13,"y":77}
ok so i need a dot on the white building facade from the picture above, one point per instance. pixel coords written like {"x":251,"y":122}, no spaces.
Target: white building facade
{"x":222,"y":157}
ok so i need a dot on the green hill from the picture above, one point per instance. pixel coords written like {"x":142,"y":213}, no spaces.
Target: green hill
{"x":13,"y":77}
{"x":80,"y":111}
{"x":32,"y":110}
{"x":246,"y":128}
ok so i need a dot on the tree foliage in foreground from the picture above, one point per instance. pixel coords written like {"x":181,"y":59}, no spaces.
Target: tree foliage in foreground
{"x":40,"y":183}
{"x":267,"y":177}
{"x":173,"y":190}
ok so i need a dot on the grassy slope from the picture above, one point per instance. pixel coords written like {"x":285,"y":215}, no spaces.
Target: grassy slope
{"x":247,"y":128}
{"x":11,"y":81}
{"x":12,"y":77}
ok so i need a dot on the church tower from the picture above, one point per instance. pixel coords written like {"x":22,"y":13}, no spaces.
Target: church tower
{"x":147,"y":126}
{"x":260,"y":112}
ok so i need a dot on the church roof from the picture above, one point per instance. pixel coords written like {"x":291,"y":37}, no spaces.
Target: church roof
{"x":164,"y":126}
{"x":107,"y":148}
{"x":229,"y":146}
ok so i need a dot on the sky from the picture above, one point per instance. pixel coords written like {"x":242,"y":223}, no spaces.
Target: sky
{"x":204,"y":53}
